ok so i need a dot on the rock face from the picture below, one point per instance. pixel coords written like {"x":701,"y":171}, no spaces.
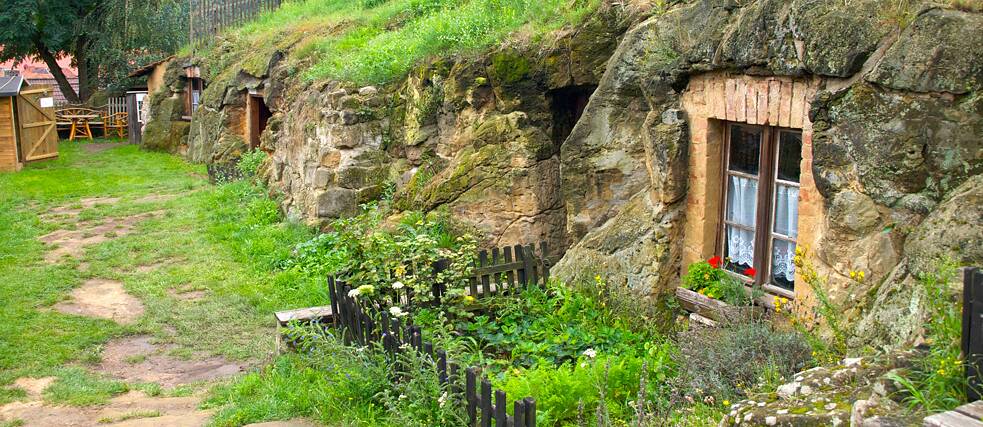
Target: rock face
{"x":165,"y":130}
{"x":856,"y":392}
{"x":582,"y":140}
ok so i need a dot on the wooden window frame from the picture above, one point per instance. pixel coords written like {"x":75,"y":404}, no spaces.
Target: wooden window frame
{"x":767,"y":184}
{"x":192,"y":84}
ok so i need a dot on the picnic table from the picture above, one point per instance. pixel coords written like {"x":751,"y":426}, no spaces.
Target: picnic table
{"x":80,"y":125}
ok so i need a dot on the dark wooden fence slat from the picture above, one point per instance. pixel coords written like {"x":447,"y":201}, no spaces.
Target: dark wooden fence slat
{"x":496,"y":278}
{"x":469,"y":394}
{"x":530,"y":412}
{"x":530,"y":254}
{"x":972,"y":339}
{"x":510,"y":273}
{"x":485,"y":285}
{"x":520,"y":256}
{"x":501,"y":416}
{"x":486,"y":403}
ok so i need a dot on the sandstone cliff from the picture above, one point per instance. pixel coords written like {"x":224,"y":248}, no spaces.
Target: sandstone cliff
{"x":585,"y":138}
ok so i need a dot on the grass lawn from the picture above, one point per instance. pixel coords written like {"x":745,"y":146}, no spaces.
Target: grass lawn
{"x":223,"y":240}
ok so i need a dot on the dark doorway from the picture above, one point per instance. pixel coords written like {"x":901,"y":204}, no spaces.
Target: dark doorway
{"x":259,"y":115}
{"x":568,"y":105}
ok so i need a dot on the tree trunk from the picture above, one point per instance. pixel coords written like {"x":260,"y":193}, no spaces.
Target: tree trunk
{"x":85,"y":71}
{"x":66,"y":87}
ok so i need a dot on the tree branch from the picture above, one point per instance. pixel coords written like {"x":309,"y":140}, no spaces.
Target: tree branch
{"x":52,"y":62}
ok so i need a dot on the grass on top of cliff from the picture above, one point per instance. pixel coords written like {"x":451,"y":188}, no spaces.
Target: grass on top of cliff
{"x":377,"y":41}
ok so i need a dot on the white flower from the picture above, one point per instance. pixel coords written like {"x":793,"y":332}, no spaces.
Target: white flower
{"x":442,"y":400}
{"x":396,"y":312}
{"x":398,"y":285}
{"x":353,"y":293}
{"x":590,"y":352}
{"x":402,"y":396}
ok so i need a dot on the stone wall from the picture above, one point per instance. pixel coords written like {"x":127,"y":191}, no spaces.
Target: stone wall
{"x":891,"y":119}
{"x":891,"y":153}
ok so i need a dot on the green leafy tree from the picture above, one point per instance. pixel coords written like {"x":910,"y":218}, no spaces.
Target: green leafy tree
{"x":105,"y":38}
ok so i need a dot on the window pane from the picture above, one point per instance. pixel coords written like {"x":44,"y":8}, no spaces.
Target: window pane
{"x":742,"y":206}
{"x":739,"y":249}
{"x":789,"y":156}
{"x":742,"y":200}
{"x":787,"y":210}
{"x":745,"y":148}
{"x":782,"y":267}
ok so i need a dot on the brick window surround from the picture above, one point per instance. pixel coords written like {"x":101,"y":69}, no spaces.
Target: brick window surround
{"x":711,"y":101}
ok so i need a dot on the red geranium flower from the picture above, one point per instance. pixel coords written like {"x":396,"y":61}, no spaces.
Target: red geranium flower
{"x":714,"y":262}
{"x":750,"y":271}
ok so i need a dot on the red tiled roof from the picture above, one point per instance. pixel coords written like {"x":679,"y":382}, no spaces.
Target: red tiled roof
{"x":32,"y":68}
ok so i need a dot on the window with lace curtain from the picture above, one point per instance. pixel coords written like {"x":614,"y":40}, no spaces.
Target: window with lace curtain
{"x":761,"y":203}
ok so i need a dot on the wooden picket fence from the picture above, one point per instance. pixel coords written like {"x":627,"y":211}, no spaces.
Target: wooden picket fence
{"x":499,"y":271}
{"x":116,"y":104}
{"x":209,"y":17}
{"x":365,"y":325}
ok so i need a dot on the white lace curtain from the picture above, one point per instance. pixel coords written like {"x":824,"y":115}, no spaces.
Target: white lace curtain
{"x":742,"y":200}
{"x":787,"y":223}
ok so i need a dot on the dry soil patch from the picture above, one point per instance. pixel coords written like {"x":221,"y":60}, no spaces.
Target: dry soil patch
{"x":34,"y":386}
{"x":103,"y":298}
{"x":141,"y":410}
{"x":156,"y":198}
{"x":73,"y":242}
{"x":138,"y":359}
{"x":75,"y":209}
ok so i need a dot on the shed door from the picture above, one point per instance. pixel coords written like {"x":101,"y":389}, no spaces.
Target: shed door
{"x":38,"y":138}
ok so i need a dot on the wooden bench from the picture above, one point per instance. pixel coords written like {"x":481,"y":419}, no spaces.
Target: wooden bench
{"x":968,"y":415}
{"x":303,"y":315}
{"x":307,"y":315}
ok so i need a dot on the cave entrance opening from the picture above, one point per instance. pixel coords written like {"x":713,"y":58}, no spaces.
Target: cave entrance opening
{"x":568,"y":104}
{"x":258,"y":116}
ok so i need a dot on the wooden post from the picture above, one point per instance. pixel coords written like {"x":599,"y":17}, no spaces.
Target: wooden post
{"x":486,"y":403}
{"x":485,"y":285}
{"x":469,"y":394}
{"x":972,"y":339}
{"x":523,"y":257}
{"x":501,"y":407}
{"x":530,"y":412}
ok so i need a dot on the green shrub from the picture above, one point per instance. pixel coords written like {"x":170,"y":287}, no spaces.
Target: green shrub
{"x":578,"y":389}
{"x":326,"y":381}
{"x":728,"y":361}
{"x":710,"y":279}
{"x":375,"y":257}
{"x":418,"y":398}
{"x":250,"y":162}
{"x":938,"y":381}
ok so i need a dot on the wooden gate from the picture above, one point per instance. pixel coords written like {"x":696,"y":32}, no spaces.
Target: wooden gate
{"x":38,"y":138}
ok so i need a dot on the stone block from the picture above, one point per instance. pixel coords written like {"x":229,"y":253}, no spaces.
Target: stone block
{"x":336,"y":202}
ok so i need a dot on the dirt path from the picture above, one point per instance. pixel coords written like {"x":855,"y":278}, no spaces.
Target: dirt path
{"x":133,"y":359}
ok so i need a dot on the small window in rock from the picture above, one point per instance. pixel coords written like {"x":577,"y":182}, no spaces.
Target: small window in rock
{"x":761,"y":203}
{"x":568,"y":105}
{"x":194,"y":87}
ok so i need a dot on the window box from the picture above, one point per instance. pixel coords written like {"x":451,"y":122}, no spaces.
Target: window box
{"x":715,"y":309}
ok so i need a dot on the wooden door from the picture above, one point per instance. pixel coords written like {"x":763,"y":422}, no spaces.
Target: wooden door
{"x":38,"y":138}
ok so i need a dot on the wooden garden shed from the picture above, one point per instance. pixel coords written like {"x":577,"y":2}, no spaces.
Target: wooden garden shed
{"x":27,"y":123}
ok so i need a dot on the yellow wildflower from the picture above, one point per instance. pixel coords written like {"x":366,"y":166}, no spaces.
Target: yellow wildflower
{"x":726,"y":403}
{"x":799,"y":251}
{"x":853,"y":274}
{"x":468,"y":299}
{"x":860,"y":275}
